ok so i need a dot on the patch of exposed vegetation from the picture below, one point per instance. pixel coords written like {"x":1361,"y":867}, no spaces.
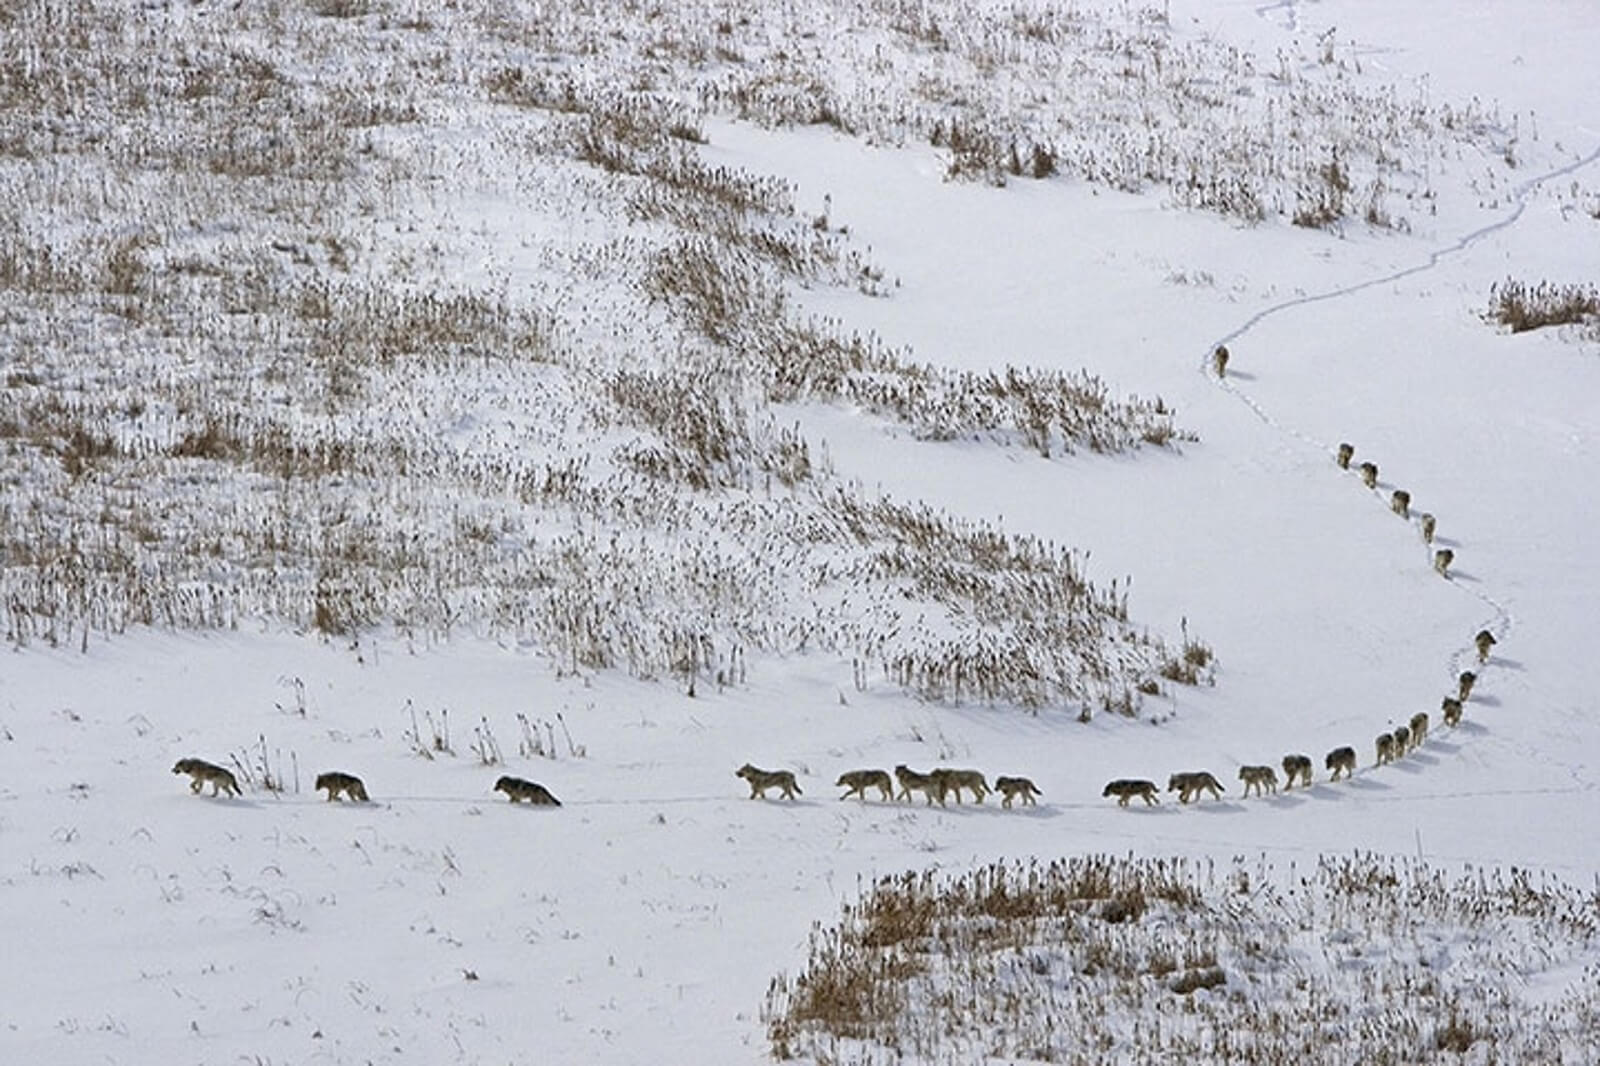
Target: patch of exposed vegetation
{"x":1106,"y":959}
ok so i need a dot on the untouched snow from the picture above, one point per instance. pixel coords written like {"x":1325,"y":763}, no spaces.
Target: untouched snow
{"x":642,"y":921}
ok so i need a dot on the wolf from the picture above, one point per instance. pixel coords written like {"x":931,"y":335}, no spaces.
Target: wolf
{"x":1012,"y":787}
{"x":911,"y":781}
{"x":200,"y":772}
{"x":1369,"y":475}
{"x":1186,"y":785}
{"x":1297,"y":766}
{"x":1126,"y":788}
{"x":1219,"y":361}
{"x":1400,"y":503}
{"x":1260,"y":778}
{"x":1385,"y":748}
{"x":1419,"y":729}
{"x":1341,"y":761}
{"x":856,"y":783}
{"x":953,"y":781}
{"x":1402,"y":740}
{"x":1429,"y":524}
{"x":1451,"y":709}
{"x":1442,"y":560}
{"x":348,"y":784}
{"x":1347,"y":452}
{"x":517,"y":790}
{"x":1484,"y":640}
{"x":1464,"y":685}
{"x":761,"y":780}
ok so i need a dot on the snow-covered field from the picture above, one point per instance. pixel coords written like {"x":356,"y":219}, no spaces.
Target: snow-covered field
{"x":644,"y":919}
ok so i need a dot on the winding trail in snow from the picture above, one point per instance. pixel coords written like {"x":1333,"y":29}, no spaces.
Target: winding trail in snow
{"x":1501,"y":621}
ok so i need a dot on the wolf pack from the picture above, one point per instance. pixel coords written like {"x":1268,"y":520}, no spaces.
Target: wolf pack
{"x":943,"y":783}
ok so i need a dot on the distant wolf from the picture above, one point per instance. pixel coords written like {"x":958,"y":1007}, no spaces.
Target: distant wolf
{"x":1340,"y":761}
{"x":1429,"y":524}
{"x":348,"y":784}
{"x":1347,"y":452}
{"x":1484,"y":640}
{"x":1451,"y":709}
{"x":761,"y":780}
{"x":517,"y":790}
{"x":912,"y":781}
{"x":200,"y":772}
{"x":1400,"y":503}
{"x":1369,"y":475}
{"x":1402,"y":740}
{"x":1419,"y":728}
{"x":1464,"y":685}
{"x":1385,"y":748}
{"x":1219,"y":361}
{"x":1442,"y":560}
{"x":1187,"y":785}
{"x":1012,"y":787}
{"x":1126,"y":788}
{"x":1297,"y":766}
{"x":953,"y":781}
{"x":856,"y":783}
{"x":1260,"y":778}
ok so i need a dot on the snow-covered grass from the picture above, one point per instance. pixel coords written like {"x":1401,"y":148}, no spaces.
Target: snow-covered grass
{"x":614,"y":395}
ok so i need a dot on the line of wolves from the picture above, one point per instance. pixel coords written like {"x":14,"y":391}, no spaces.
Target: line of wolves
{"x":940,"y":783}
{"x":339,"y":784}
{"x":935,"y":785}
{"x":1340,"y":762}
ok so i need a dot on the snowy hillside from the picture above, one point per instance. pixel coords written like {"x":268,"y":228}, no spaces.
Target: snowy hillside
{"x":613,"y":396}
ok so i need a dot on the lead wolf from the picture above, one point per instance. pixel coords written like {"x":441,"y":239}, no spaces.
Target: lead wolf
{"x":517,"y":790}
{"x":761,"y":780}
{"x":200,"y":772}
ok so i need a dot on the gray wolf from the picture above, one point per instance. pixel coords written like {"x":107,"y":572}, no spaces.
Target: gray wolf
{"x":1012,"y":787}
{"x":1419,"y":728}
{"x":1126,"y":788}
{"x":912,"y":781}
{"x":1385,"y":748}
{"x":1341,"y":761}
{"x":1429,"y":524}
{"x":761,"y":780}
{"x":1260,"y":778}
{"x":348,"y":784}
{"x":856,"y":783}
{"x":1369,"y":475}
{"x":200,"y":772}
{"x":1400,"y":503}
{"x":953,"y":781}
{"x":1219,"y":360}
{"x":1297,"y":766}
{"x":1464,"y":685}
{"x":1186,"y":785}
{"x":1347,"y":452}
{"x":1442,"y":560}
{"x":1452,"y":711}
{"x":517,"y":790}
{"x":1484,"y":640}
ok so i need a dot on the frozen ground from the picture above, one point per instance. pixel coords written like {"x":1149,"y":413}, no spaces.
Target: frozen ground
{"x":642,"y":921}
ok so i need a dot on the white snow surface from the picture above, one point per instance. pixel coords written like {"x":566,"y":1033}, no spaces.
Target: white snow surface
{"x":642,"y":920}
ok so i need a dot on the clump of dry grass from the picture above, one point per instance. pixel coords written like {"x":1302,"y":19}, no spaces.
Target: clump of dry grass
{"x":1100,"y":958}
{"x":1522,"y":307}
